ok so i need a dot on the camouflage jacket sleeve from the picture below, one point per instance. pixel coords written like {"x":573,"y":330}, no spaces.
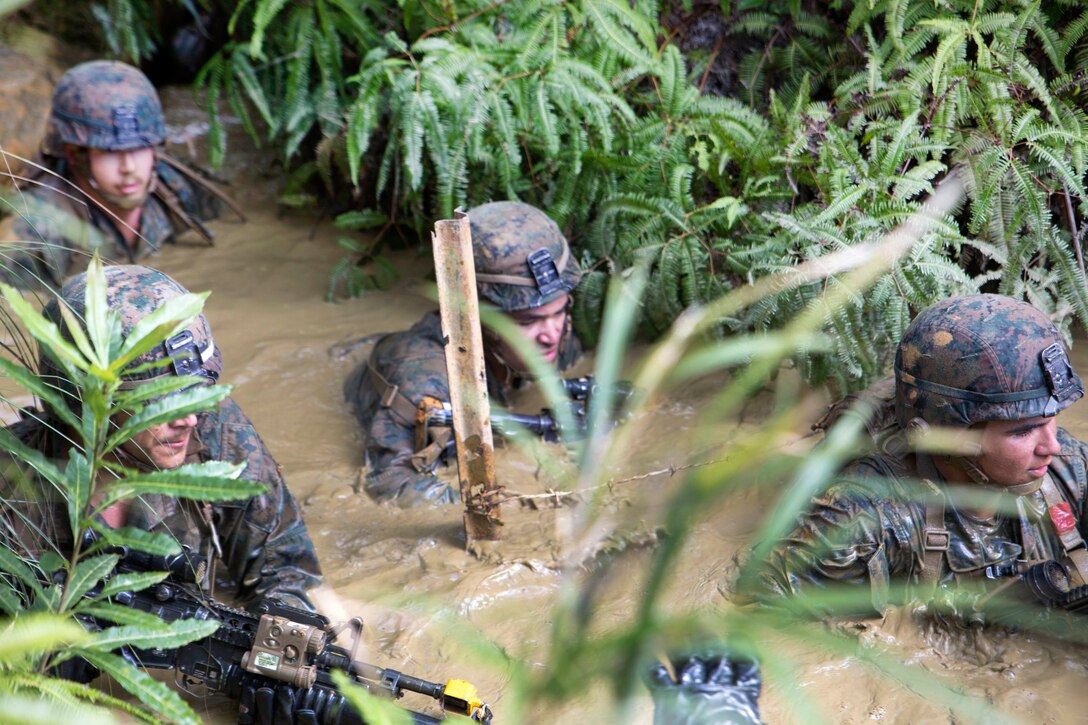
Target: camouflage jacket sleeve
{"x":414,"y":362}
{"x":40,"y":236}
{"x":851,"y":534}
{"x":266,"y":548}
{"x":1070,"y":470}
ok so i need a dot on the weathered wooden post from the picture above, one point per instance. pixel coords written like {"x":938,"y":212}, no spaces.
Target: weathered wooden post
{"x":460,"y":313}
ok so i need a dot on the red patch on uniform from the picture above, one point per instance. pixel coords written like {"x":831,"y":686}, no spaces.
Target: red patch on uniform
{"x":1062,"y":516}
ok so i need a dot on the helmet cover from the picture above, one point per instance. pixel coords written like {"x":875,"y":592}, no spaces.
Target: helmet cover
{"x":981,"y":358}
{"x":135,"y":291}
{"x":106,"y":105}
{"x":522,"y":259}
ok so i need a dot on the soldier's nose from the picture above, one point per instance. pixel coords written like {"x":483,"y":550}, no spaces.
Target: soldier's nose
{"x":552,"y":329}
{"x":188,"y":421}
{"x":1048,"y":444}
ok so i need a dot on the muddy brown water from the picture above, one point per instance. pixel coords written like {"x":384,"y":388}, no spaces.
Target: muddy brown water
{"x":424,"y":600}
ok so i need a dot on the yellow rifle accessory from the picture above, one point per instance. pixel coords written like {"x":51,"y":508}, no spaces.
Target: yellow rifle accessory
{"x":462,"y":697}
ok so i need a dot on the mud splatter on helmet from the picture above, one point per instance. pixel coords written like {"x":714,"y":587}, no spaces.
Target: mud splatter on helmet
{"x":522,"y":259}
{"x":135,"y":291}
{"x":981,"y":358}
{"x":105,"y":105}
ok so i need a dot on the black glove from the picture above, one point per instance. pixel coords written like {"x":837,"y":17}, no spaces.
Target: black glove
{"x":75,"y":669}
{"x":713,"y":690}
{"x":272,"y":704}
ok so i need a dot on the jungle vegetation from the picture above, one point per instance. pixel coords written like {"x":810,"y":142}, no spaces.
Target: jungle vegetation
{"x":826,"y":130}
{"x":43,"y":587}
{"x":721,"y":141}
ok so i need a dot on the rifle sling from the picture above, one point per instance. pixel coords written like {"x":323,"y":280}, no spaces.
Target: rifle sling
{"x":200,"y":180}
{"x":424,"y":457}
{"x":1065,"y":524}
{"x":170,"y":200}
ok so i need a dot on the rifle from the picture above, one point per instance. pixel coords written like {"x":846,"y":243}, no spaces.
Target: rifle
{"x":1041,"y":592}
{"x":545,"y":424}
{"x":1049,"y":583}
{"x":276,"y":644}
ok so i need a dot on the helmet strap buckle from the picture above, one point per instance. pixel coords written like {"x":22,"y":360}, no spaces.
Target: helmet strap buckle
{"x":544,"y":270}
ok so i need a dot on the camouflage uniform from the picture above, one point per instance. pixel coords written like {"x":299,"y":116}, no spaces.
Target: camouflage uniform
{"x":54,"y":229}
{"x":870,"y":528}
{"x":264,"y":547}
{"x":261,"y":545}
{"x":882,"y":522}
{"x":407,"y":366}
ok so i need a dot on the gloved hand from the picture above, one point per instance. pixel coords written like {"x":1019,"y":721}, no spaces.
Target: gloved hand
{"x":271,"y":704}
{"x":75,"y":669}
{"x":712,"y":690}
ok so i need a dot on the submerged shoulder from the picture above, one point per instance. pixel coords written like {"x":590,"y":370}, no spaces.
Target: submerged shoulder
{"x":403,"y":357}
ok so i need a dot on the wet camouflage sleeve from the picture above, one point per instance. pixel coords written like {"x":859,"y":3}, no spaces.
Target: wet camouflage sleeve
{"x":39,"y":237}
{"x":850,"y":535}
{"x":415,"y":362}
{"x":266,"y":547}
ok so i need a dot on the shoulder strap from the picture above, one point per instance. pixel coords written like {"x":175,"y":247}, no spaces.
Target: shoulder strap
{"x":1065,"y":523}
{"x":935,"y":538}
{"x":391,"y":397}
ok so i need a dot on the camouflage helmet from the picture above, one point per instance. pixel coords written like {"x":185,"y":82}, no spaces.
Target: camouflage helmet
{"x":981,"y":358}
{"x":135,"y":291}
{"x":522,"y":259}
{"x":107,"y":105}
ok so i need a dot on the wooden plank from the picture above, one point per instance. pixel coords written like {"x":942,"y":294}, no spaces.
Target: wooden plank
{"x":460,"y":313}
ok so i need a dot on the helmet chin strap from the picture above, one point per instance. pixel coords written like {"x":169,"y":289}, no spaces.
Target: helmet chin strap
{"x":969,"y":465}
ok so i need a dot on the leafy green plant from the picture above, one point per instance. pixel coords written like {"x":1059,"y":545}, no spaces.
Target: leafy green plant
{"x":591,"y":647}
{"x":41,"y":576}
{"x":841,"y":123}
{"x":26,"y":695}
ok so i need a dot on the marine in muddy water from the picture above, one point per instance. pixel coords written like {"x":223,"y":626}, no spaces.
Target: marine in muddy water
{"x":104,"y":184}
{"x":525,"y":269}
{"x":995,"y":368}
{"x":260,"y":547}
